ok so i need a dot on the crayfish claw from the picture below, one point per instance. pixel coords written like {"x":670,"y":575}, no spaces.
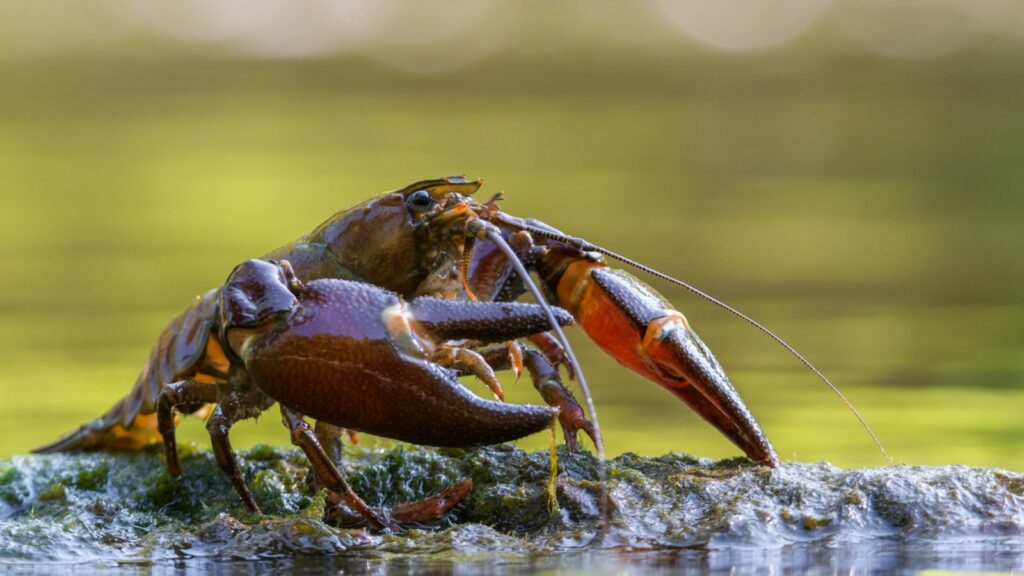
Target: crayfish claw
{"x":636,"y":325}
{"x":344,"y":516}
{"x":381,"y":521}
{"x":433,"y":507}
{"x":422,"y":511}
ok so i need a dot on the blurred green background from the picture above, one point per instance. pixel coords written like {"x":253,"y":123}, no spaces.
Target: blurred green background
{"x":849,"y":173}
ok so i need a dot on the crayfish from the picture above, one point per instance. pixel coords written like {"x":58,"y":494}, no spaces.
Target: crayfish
{"x":366,"y":323}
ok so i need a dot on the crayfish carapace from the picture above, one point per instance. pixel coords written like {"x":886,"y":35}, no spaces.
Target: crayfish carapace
{"x":365,"y":324}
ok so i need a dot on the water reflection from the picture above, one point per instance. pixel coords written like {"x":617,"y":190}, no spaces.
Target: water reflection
{"x":838,"y":558}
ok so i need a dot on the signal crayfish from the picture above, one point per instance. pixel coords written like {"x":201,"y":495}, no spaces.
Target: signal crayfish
{"x":366,"y":323}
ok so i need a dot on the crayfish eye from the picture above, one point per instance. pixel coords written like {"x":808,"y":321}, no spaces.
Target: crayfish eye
{"x":420,"y":201}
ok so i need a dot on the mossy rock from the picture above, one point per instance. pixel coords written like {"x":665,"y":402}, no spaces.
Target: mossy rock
{"x":124,"y":507}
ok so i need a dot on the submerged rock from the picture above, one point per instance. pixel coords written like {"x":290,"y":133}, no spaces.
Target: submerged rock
{"x":125,"y":508}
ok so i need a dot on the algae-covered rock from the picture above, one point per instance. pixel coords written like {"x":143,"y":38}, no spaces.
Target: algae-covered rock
{"x":124,"y":507}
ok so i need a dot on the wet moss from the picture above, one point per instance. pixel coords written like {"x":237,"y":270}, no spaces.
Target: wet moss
{"x":264,"y":453}
{"x":812,"y":523}
{"x":126,"y":506}
{"x":1015,"y":484}
{"x":787,"y":515}
{"x":402,"y":474}
{"x":9,"y":476}
{"x":162,"y":489}
{"x":853,"y":498}
{"x":92,"y":478}
{"x":894,"y":512}
{"x":54,"y":492}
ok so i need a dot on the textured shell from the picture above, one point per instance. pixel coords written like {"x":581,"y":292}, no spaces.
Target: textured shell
{"x":131,"y":422}
{"x":177,"y":354}
{"x":333,"y":361}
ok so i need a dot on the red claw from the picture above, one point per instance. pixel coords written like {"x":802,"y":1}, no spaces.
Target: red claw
{"x":640,"y":329}
{"x":421,"y":511}
{"x":434,"y":507}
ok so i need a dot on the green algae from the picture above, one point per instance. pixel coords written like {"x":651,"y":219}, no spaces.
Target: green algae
{"x":92,"y":478}
{"x":9,"y":475}
{"x":84,"y":507}
{"x":812,"y":523}
{"x":54,"y":492}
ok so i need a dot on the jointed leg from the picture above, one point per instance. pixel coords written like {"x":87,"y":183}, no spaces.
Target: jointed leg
{"x":466,"y":360}
{"x":553,"y":351}
{"x":544,"y":376}
{"x":545,"y":379}
{"x":330,"y":476}
{"x":329,"y":437}
{"x":304,"y":437}
{"x":186,"y":396}
{"x":237,"y":406}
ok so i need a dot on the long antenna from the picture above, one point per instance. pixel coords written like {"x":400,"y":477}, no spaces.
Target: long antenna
{"x":494,"y":235}
{"x":585,"y":246}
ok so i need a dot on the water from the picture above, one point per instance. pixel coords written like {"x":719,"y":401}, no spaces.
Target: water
{"x":891,"y":558}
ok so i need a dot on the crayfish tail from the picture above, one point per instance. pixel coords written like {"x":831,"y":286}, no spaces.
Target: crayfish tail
{"x":98,"y":435}
{"x":131,"y":423}
{"x":108,"y":432}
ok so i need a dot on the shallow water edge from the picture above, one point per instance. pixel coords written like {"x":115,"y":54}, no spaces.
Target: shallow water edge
{"x":93,"y":511}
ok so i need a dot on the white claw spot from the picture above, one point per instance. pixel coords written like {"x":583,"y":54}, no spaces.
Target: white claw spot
{"x":399,"y":323}
{"x":661,"y":327}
